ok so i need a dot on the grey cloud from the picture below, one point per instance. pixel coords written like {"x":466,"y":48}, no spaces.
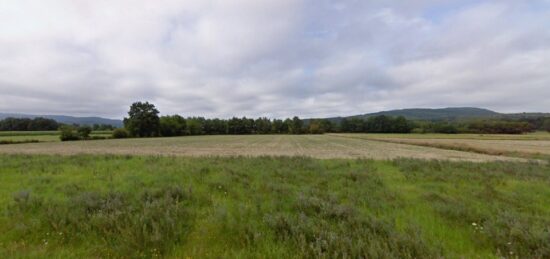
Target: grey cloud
{"x":273,"y":58}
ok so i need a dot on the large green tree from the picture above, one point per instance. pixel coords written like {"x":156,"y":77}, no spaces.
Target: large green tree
{"x":143,"y":120}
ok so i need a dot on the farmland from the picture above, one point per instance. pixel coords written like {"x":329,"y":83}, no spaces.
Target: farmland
{"x":317,"y":146}
{"x":274,"y":196}
{"x":528,"y":146}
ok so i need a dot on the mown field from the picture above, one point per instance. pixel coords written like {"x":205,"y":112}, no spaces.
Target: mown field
{"x":91,"y":206}
{"x":535,"y":146}
{"x":317,"y":146}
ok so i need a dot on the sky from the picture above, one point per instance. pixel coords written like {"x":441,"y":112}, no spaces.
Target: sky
{"x":274,"y":58}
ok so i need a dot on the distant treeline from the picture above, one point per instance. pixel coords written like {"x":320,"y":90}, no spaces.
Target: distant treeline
{"x":176,"y":125}
{"x":485,"y":126}
{"x":40,"y":124}
{"x":25,"y":124}
{"x":143,"y":121}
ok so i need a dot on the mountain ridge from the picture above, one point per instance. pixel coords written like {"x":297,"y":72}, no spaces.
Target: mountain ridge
{"x":444,"y":114}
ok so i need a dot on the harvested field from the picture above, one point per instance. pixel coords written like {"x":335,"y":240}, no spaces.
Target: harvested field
{"x":528,"y":136}
{"x":519,"y":148}
{"x":317,"y":146}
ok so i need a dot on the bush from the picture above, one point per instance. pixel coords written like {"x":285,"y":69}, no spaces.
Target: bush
{"x":84,"y":132}
{"x":68,"y":133}
{"x":120,"y":133}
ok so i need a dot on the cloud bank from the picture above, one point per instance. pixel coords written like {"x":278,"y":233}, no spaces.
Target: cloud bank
{"x":312,"y":58}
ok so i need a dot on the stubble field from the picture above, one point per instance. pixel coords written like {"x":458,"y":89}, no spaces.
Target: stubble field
{"x":535,"y":146}
{"x":316,"y":146}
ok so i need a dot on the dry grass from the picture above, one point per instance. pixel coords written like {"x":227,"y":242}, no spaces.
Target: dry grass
{"x":509,"y":147}
{"x":317,"y":146}
{"x":540,"y":135}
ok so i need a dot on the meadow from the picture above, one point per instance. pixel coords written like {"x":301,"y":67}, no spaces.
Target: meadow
{"x":273,"y":196}
{"x":271,"y":207}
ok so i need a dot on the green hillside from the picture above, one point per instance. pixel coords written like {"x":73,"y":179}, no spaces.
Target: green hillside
{"x":447,"y":114}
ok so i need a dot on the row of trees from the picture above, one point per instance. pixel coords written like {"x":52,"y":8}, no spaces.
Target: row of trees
{"x":144,"y":121}
{"x":479,"y":127}
{"x":41,"y":124}
{"x":176,"y":125}
{"x":25,"y":124}
{"x":377,"y":124}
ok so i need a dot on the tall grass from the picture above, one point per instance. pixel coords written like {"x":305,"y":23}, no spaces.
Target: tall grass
{"x":268,"y":207}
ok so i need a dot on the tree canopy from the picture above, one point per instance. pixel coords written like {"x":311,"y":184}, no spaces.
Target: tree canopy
{"x":143,"y":120}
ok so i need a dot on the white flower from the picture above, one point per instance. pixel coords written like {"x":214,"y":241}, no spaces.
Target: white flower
{"x":474,"y":224}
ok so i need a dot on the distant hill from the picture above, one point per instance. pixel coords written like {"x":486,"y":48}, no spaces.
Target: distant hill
{"x":447,"y":114}
{"x":67,"y":119}
{"x":438,"y":114}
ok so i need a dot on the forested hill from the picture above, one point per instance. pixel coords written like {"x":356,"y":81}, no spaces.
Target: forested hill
{"x":447,"y":114}
{"x":67,"y":119}
{"x":438,"y":114}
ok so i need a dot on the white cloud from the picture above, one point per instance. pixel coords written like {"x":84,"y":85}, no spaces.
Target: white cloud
{"x":272,"y":58}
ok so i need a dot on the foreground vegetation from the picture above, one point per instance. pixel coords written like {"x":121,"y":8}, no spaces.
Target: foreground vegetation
{"x":132,"y":206}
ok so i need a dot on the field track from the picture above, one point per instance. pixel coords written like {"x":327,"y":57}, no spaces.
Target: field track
{"x":317,"y":146}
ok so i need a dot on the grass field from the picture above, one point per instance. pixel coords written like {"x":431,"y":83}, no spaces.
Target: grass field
{"x":266,"y":207}
{"x":40,"y":136}
{"x":317,"y":146}
{"x":276,"y":196}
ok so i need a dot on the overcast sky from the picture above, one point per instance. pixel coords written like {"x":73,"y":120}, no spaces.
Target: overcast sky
{"x":273,"y":58}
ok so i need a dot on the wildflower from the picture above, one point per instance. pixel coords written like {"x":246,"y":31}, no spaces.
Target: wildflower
{"x":474,"y":224}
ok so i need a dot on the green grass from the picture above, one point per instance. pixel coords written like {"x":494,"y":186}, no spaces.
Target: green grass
{"x":40,"y":136}
{"x":270,"y":207}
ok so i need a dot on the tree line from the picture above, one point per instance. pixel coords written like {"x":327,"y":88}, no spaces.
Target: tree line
{"x":42,"y":124}
{"x":25,"y":124}
{"x":486,"y":126}
{"x":144,"y":121}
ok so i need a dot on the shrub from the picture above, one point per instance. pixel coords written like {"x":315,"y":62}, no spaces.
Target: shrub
{"x":120,"y":133}
{"x":68,"y":133}
{"x":84,"y":132}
